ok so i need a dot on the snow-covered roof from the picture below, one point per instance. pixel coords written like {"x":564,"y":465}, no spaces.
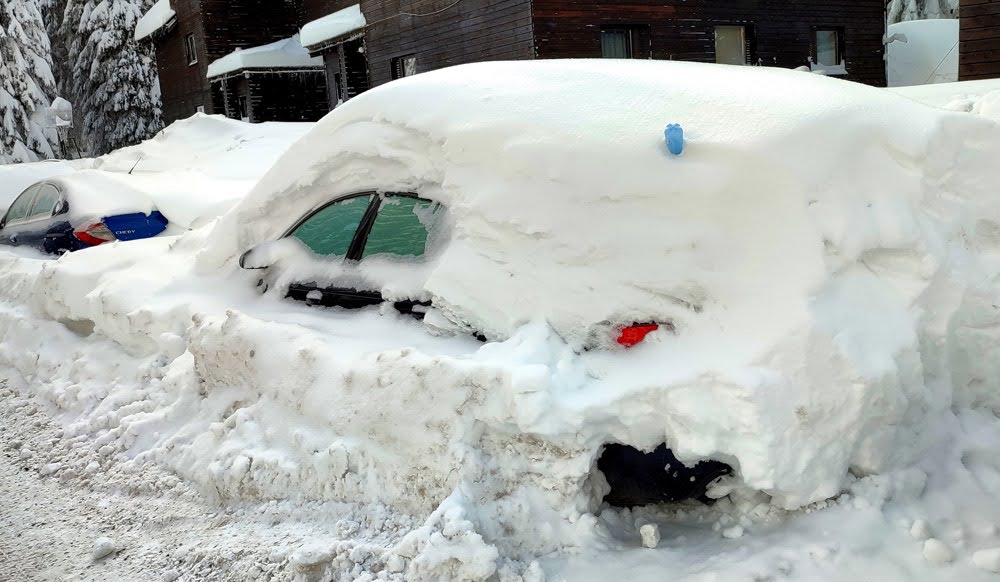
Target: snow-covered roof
{"x":283,"y":54}
{"x":922,"y":52}
{"x":156,"y":18}
{"x":333,"y":25}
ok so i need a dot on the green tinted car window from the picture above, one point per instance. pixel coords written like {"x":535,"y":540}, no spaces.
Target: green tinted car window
{"x":402,"y":227}
{"x":20,"y":208}
{"x":330,"y":231}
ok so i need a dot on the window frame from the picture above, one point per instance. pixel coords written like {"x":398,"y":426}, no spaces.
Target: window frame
{"x":32,"y":216}
{"x":841,"y":65}
{"x":190,"y":50}
{"x":637,"y":40}
{"x":31,"y":203}
{"x":355,"y":251}
{"x":747,"y":34}
{"x":398,"y":66}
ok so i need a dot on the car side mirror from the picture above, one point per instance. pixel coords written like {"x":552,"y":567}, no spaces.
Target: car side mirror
{"x":247,"y":261}
{"x":61,"y":208}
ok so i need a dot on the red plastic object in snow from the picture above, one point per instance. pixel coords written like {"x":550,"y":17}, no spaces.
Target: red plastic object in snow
{"x":634,"y":334}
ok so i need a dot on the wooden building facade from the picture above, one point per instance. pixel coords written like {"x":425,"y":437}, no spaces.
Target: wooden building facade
{"x":979,"y":40}
{"x":370,"y":42}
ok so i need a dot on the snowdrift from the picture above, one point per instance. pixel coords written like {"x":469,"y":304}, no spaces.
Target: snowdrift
{"x":922,"y":52}
{"x":827,"y":252}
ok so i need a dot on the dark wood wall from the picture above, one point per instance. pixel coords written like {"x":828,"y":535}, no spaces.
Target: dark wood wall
{"x":184,"y":87}
{"x":277,"y":96}
{"x":439,"y":33}
{"x":233,"y":24}
{"x":979,"y":40}
{"x":780,"y":31}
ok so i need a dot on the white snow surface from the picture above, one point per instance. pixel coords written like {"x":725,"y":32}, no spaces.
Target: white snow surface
{"x":158,"y":16}
{"x":336,"y":24}
{"x":834,"y":302}
{"x":924,"y":52}
{"x":282,"y":54}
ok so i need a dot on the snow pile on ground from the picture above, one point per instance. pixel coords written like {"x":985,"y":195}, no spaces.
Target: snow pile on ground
{"x":158,"y":16}
{"x":834,"y":302}
{"x":334,"y":25}
{"x":922,"y":52}
{"x":283,"y":54}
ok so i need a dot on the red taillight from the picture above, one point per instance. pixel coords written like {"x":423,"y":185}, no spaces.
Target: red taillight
{"x":634,"y":334}
{"x":95,"y":234}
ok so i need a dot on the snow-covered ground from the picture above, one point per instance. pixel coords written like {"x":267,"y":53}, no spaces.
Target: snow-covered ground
{"x":837,"y":343}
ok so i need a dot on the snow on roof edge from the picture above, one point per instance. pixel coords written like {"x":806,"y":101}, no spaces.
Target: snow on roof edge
{"x":333,"y":25}
{"x":283,"y":54}
{"x":158,"y":16}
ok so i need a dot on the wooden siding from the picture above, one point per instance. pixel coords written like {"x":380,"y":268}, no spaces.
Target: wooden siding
{"x":184,"y":87}
{"x":316,"y":9}
{"x":780,"y":32}
{"x":232,"y":24}
{"x":979,"y":40}
{"x":276,"y":96}
{"x":470,"y":31}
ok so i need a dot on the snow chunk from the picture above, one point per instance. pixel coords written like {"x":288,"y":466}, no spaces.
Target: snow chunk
{"x":920,"y":530}
{"x":156,"y":18}
{"x":733,"y":533}
{"x":650,"y":534}
{"x":987,"y":559}
{"x":103,"y":547}
{"x":283,"y":54}
{"x":937,"y":552}
{"x":333,"y":25}
{"x":928,"y":55}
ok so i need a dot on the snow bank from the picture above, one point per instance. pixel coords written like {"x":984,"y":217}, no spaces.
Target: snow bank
{"x":158,"y":16}
{"x":922,"y":52}
{"x":833,"y":299}
{"x":283,"y":54}
{"x":331,"y":26}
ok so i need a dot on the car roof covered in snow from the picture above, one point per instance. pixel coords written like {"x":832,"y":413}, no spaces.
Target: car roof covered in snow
{"x":562,"y":189}
{"x":94,"y":194}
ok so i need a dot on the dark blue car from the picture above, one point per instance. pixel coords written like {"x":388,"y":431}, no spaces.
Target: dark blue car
{"x":43,"y":218}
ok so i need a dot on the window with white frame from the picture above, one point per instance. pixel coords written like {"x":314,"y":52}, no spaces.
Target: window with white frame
{"x":190,"y":50}
{"x":828,"y":43}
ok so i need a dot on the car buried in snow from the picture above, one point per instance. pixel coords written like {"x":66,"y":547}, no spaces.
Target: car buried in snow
{"x":79,"y":211}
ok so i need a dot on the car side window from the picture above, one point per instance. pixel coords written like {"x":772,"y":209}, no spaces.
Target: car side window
{"x":45,"y":202}
{"x":329,"y":231}
{"x":402,"y":227}
{"x":22,"y":205}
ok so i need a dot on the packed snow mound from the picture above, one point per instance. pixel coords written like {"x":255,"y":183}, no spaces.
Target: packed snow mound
{"x":828,"y":254}
{"x":211,"y":145}
{"x":158,"y":16}
{"x":922,"y":52}
{"x":283,"y":54}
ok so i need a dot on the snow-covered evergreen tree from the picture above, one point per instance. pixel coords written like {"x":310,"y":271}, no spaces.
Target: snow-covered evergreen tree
{"x":900,"y":10}
{"x":113,"y":82}
{"x":26,"y":83}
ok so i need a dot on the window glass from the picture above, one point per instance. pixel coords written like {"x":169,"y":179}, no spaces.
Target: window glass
{"x":616,"y":44}
{"x":330,"y":231}
{"x":402,"y":227}
{"x":827,"y":48}
{"x":730,"y":45}
{"x":20,"y":208}
{"x":45,"y":202}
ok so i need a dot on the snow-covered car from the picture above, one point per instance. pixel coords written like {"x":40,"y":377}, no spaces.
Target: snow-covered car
{"x":78,"y":211}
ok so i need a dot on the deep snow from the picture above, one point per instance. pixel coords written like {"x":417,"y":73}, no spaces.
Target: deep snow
{"x":841,"y":355}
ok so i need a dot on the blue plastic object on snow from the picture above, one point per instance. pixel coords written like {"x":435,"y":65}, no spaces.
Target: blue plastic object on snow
{"x":674,"y":134}
{"x":137,"y":225}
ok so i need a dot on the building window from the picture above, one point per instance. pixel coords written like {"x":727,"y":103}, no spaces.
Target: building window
{"x":731,"y":45}
{"x":190,"y":50}
{"x":404,"y":66}
{"x":828,"y":46}
{"x":616,"y":43}
{"x":201,"y":109}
